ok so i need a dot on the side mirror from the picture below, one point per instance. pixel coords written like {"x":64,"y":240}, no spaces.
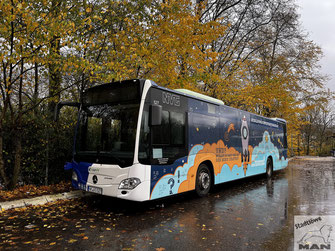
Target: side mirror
{"x":155,"y":115}
{"x":60,"y":105}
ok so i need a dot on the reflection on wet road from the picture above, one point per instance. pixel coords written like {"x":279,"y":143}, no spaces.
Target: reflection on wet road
{"x":252,"y":214}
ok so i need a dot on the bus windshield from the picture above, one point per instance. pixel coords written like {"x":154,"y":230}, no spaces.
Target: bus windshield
{"x":107,"y":133}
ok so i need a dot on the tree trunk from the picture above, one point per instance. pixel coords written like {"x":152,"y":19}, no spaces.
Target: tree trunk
{"x":54,"y":76}
{"x":36,"y":89}
{"x":54,"y":66}
{"x":2,"y":162}
{"x":298,"y":145}
{"x":17,"y":159}
{"x":18,"y":133}
{"x":308,"y":145}
{"x":7,"y":80}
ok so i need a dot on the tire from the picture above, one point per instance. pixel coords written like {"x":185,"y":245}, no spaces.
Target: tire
{"x":203,"y":182}
{"x":269,"y":168}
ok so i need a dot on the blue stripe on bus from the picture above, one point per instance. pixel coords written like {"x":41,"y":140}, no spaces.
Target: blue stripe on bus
{"x":81,"y":170}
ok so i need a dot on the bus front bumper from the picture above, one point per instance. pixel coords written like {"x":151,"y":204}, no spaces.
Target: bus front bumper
{"x":106,"y":180}
{"x":139,"y":193}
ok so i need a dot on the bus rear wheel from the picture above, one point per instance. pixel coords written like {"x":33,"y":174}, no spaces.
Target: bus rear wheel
{"x":269,"y":168}
{"x":203,"y":180}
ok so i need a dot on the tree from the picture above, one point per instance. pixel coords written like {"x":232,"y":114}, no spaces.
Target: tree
{"x":27,"y":30}
{"x":317,"y":127}
{"x":266,"y":64}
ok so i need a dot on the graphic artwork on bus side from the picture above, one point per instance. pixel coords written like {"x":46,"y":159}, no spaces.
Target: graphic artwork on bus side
{"x":228,"y":164}
{"x":231,"y":127}
{"x":245,"y":143}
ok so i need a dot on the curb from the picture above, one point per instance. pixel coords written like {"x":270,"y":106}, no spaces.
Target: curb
{"x":41,"y":200}
{"x":313,"y":158}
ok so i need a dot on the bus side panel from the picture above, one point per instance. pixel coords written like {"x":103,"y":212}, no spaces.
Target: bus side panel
{"x":236,"y":143}
{"x":202,"y":134}
{"x":235,"y":157}
{"x":169,"y":160}
{"x":267,"y":140}
{"x":281,"y":144}
{"x":228,"y":155}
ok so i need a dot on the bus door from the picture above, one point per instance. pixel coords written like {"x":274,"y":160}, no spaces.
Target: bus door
{"x":168,"y":142}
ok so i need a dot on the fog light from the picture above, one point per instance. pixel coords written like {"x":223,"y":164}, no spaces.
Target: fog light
{"x":129,"y":183}
{"x":74,"y":176}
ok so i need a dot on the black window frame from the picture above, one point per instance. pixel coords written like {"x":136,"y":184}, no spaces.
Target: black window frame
{"x":180,"y":149}
{"x":169,"y":131}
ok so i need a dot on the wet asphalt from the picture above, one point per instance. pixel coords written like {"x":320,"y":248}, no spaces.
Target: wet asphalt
{"x":251,"y":214}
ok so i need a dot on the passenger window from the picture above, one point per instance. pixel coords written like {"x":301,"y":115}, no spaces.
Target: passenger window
{"x":177,"y":128}
{"x":168,"y":139}
{"x":161,"y":133}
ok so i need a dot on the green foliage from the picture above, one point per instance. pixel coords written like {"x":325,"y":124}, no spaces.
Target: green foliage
{"x":45,"y":144}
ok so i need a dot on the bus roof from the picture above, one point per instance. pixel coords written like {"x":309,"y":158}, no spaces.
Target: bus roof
{"x":200,"y":96}
{"x":280,"y":120}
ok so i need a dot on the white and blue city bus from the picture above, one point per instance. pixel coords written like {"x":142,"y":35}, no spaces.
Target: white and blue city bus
{"x":139,"y":141}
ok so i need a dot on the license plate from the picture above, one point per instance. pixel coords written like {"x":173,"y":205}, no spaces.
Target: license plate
{"x":81,"y":186}
{"x":95,"y":189}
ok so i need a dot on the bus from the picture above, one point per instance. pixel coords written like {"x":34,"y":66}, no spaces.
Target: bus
{"x":136,"y":140}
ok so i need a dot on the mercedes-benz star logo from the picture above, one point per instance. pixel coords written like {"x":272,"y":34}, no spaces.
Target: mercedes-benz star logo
{"x":95,"y":179}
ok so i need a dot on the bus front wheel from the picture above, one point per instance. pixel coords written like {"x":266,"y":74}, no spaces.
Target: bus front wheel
{"x":203,"y":180}
{"x":269,"y":168}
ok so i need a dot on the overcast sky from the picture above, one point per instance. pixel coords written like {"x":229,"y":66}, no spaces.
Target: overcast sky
{"x":318,"y":19}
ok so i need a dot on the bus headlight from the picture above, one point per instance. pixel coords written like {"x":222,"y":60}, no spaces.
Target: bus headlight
{"x":129,"y":183}
{"x":74,"y":176}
